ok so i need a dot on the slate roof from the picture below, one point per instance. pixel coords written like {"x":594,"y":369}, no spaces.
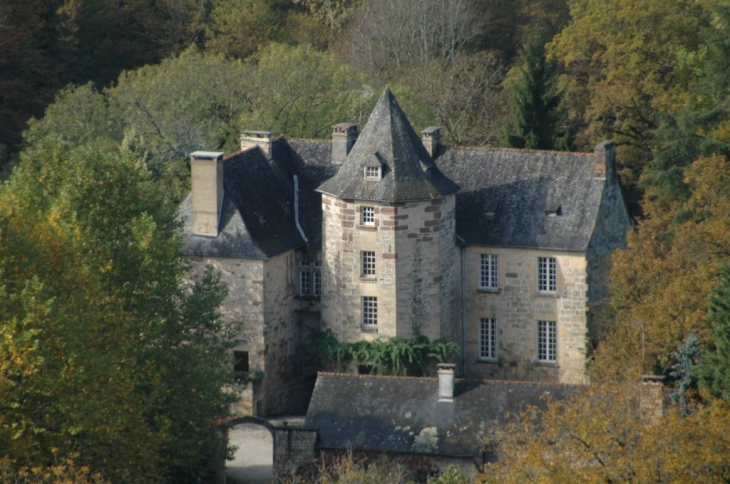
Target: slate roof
{"x":257,"y":219}
{"x":519,"y":187}
{"x":404,"y":415}
{"x":502,"y":200}
{"x":388,"y":140}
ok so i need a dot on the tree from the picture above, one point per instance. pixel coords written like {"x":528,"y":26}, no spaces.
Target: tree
{"x":610,"y":433}
{"x":701,"y":128}
{"x":237,"y":28}
{"x":665,"y":275}
{"x":623,"y":64}
{"x":200,"y":101}
{"x":389,"y":35}
{"x":713,"y":370}
{"x":465,"y":96}
{"x":535,"y":103}
{"x":104,"y":352}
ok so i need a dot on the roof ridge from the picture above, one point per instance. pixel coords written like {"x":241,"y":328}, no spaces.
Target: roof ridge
{"x":402,"y":377}
{"x":517,"y":150}
{"x":240,"y":152}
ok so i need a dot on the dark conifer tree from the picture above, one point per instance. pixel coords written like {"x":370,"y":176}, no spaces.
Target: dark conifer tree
{"x":683,"y":138}
{"x":535,"y":101}
{"x":713,"y":371}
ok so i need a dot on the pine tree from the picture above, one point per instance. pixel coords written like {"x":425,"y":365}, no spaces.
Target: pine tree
{"x":535,"y":102}
{"x":713,"y":372}
{"x":702,"y":129}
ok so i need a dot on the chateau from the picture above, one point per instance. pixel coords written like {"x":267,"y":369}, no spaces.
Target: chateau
{"x":385,"y":233}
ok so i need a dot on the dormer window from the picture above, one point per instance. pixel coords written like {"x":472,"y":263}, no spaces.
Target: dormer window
{"x":372,"y":173}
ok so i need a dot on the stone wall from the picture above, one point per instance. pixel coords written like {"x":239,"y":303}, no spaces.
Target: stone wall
{"x":261,"y":296}
{"x":293,"y":447}
{"x":612,"y":224}
{"x":416,"y":279}
{"x":517,"y":306}
{"x":244,"y":304}
{"x":284,"y":388}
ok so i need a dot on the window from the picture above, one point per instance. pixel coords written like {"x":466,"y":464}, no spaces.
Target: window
{"x":310,"y":278}
{"x":372,"y":173}
{"x":240,"y":364}
{"x":368,"y":215}
{"x":487,"y":339}
{"x":368,"y":263}
{"x":369,"y":312}
{"x":546,"y":274}
{"x":547,"y":342}
{"x":317,"y":277}
{"x":488,"y":272}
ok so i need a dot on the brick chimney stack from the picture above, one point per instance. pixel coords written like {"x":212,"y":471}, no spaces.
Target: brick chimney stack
{"x":344,"y":136}
{"x":207,"y":180}
{"x":431,"y":139}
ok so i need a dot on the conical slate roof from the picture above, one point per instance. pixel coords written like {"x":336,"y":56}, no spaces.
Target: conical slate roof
{"x":389,"y":141}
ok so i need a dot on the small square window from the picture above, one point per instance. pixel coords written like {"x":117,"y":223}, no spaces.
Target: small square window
{"x":546,"y":274}
{"x":369,"y":312}
{"x":487,"y":339}
{"x":372,"y":173}
{"x":547,"y":342}
{"x":488,"y":271}
{"x":368,"y":215}
{"x":368,"y":263}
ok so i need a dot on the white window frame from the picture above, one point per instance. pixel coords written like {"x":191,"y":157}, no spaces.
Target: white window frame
{"x":310,"y":278}
{"x":317,"y":281}
{"x":487,"y":339}
{"x":488,"y":271}
{"x":367,"y":215}
{"x":372,"y":172}
{"x":369,"y":312}
{"x":547,"y":341}
{"x":547,"y":275}
{"x":367,"y":263}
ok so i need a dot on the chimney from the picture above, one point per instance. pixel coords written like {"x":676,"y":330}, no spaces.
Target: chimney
{"x":605,"y":157}
{"x":651,"y":397}
{"x":262,"y":139}
{"x":446,"y":381}
{"x":344,"y":136}
{"x":207,"y":179}
{"x":431,"y":139}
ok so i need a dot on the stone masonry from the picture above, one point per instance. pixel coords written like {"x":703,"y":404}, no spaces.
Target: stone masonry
{"x":415,"y":281}
{"x":518,"y":306}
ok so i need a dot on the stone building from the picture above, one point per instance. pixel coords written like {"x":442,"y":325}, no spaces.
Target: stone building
{"x":387,"y":234}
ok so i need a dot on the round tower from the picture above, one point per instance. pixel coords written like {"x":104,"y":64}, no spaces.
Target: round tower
{"x":390,"y":265}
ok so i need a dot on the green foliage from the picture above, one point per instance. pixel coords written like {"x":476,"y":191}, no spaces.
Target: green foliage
{"x":687,"y":357}
{"x":703,"y":127}
{"x":535,"y":103}
{"x":237,"y":28}
{"x":197,"y":101}
{"x":452,"y":475}
{"x":104,"y":352}
{"x":393,"y":356}
{"x":713,"y":371}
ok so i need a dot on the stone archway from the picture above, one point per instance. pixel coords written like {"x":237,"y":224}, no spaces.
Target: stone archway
{"x":253,"y":461}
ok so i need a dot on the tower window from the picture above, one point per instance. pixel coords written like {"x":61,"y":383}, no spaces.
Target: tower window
{"x":368,"y":263}
{"x":240,"y":364}
{"x":369,"y":312}
{"x":368,"y":215}
{"x":372,"y":173}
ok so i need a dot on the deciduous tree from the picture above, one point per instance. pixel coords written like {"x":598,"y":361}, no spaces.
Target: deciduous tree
{"x":104,"y":352}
